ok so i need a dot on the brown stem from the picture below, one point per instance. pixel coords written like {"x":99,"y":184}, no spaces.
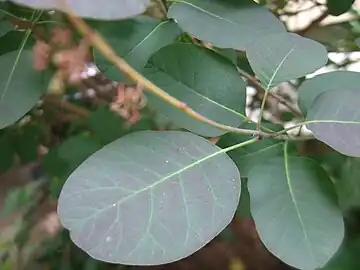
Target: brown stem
{"x":259,"y":87}
{"x":100,"y":44}
{"x":62,"y":104}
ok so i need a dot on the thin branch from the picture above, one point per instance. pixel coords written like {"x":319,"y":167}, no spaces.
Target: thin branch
{"x":66,"y":106}
{"x":163,"y":6}
{"x":99,"y":43}
{"x":280,"y":99}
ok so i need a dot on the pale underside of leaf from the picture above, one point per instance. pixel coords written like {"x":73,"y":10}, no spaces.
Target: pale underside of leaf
{"x":334,"y":118}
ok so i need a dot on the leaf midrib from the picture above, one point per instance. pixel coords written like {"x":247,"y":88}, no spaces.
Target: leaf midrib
{"x":292,"y":195}
{"x":198,"y":94}
{"x":145,"y":38}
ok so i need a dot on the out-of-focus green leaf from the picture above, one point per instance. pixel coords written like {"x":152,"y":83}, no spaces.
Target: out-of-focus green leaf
{"x":347,"y":257}
{"x":20,"y":86}
{"x":20,"y":198}
{"x":336,"y":7}
{"x":110,"y":10}
{"x":7,"y":152}
{"x":150,"y":198}
{"x":348,"y":186}
{"x":204,"y":80}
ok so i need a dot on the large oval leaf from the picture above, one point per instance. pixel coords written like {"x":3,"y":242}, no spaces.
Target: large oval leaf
{"x":294,"y":207}
{"x":225,"y":24}
{"x":335,"y":120}
{"x":150,"y":198}
{"x":135,"y":40}
{"x":311,"y":88}
{"x":20,"y":86}
{"x":282,"y":57}
{"x":204,"y":80}
{"x":110,"y":9}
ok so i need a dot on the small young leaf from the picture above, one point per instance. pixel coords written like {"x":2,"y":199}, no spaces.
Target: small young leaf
{"x":294,"y":207}
{"x":204,"y":80}
{"x":135,"y":40}
{"x":224,"y":24}
{"x":281,"y":57}
{"x":20,"y":86}
{"x":335,"y":120}
{"x":150,"y":198}
{"x":110,"y":9}
{"x":335,"y":80}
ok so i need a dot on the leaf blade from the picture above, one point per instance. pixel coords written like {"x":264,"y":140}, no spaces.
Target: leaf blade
{"x":293,"y":185}
{"x":276,"y":58}
{"x":208,"y":83}
{"x":334,"y":119}
{"x":230,"y":25}
{"x":158,"y":171}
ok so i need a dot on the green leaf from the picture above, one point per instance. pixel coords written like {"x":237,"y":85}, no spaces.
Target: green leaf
{"x":77,"y":148}
{"x":106,"y":125}
{"x":150,"y":198}
{"x":347,"y":257}
{"x":110,"y":9}
{"x":26,"y":143}
{"x":20,"y":86}
{"x":294,"y":207}
{"x":335,"y":120}
{"x":248,"y":156}
{"x":5,"y":25}
{"x":21,"y":198}
{"x":7,"y":152}
{"x":336,"y":7}
{"x":204,"y":80}
{"x":348,"y":186}
{"x":224,"y":24}
{"x":282,"y":57}
{"x":12,"y":40}
{"x":335,"y":80}
{"x":135,"y":40}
